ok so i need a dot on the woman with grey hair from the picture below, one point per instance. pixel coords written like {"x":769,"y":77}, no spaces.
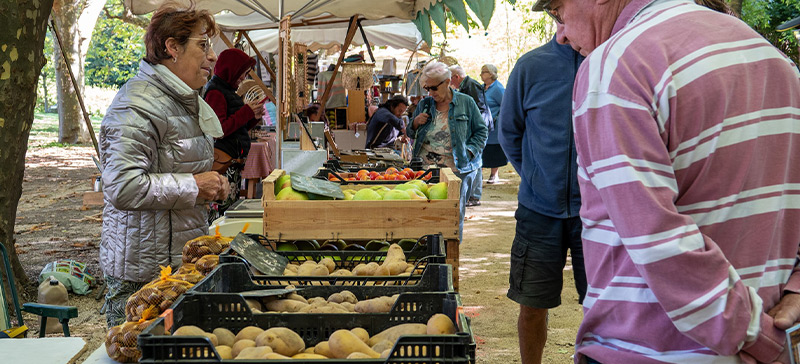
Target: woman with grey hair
{"x":493,"y":155}
{"x":448,"y":129}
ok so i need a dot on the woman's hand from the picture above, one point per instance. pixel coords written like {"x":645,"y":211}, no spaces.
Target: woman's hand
{"x":212,"y":186}
{"x":257,"y":107}
{"x":421,"y":119}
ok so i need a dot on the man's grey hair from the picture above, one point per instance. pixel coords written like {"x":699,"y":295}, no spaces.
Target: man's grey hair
{"x":491,"y":69}
{"x":457,"y":70}
{"x":436,"y":72}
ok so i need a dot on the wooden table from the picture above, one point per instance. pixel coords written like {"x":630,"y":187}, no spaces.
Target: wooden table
{"x":260,"y":163}
{"x":51,"y":350}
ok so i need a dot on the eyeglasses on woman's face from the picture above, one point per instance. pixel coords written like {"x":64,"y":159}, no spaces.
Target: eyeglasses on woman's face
{"x":204,"y":44}
{"x":434,"y":88}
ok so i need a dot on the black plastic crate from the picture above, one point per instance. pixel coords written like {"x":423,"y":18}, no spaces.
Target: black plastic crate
{"x":339,"y":166}
{"x":236,"y":277}
{"x":322,"y":173}
{"x":429,"y":249}
{"x":209,"y":311}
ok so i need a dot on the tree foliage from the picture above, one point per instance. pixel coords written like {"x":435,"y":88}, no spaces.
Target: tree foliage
{"x":765,"y":15}
{"x":116,"y":49}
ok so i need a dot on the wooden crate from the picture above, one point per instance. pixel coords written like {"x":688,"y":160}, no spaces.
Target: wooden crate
{"x":327,"y":219}
{"x":363,"y":220}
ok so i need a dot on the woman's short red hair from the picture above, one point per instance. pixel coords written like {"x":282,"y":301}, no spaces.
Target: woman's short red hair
{"x":174,"y":21}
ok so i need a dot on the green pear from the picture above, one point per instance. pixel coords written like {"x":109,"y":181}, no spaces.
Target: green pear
{"x":406,"y":187}
{"x":396,"y":195}
{"x":416,"y":194}
{"x":438,"y":191}
{"x":420,"y":184}
{"x":290,"y":194}
{"x":366,"y":194}
{"x":281,"y":181}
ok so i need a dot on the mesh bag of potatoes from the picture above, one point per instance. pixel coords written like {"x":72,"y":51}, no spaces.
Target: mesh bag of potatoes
{"x":159,"y":295}
{"x":196,"y":248}
{"x":121,"y":340}
{"x":188,"y":272}
{"x":207,"y":263}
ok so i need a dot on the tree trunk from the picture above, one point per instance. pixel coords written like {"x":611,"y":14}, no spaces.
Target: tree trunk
{"x":736,"y":6}
{"x":70,"y":120}
{"x":23,"y":26}
{"x":75,"y":20}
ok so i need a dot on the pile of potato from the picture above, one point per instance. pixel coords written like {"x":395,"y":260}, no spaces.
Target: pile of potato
{"x":282,"y":343}
{"x":394,"y":265}
{"x":340,"y":302}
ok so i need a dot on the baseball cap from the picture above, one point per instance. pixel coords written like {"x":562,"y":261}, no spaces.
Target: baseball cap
{"x":539,"y":5}
{"x":791,"y":24}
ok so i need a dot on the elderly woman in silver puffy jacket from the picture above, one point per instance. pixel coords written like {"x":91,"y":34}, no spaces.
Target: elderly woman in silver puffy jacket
{"x":156,"y":149}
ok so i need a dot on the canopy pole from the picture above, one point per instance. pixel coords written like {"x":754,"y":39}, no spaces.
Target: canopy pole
{"x":366,"y":41}
{"x":351,"y":31}
{"x":75,"y":85}
{"x":282,"y":84}
{"x":252,"y":73}
{"x":260,"y":57}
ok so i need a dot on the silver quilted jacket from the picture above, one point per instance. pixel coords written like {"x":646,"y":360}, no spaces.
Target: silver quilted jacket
{"x":150,"y":146}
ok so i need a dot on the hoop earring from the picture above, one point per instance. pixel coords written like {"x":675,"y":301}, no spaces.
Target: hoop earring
{"x":174,"y":59}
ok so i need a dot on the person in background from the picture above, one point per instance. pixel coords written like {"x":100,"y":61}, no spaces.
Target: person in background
{"x":236,"y":118}
{"x":535,"y":124}
{"x":338,"y":95}
{"x":466,"y":85}
{"x":385,"y":125}
{"x":448,"y":130}
{"x":688,"y":183}
{"x":156,"y":149}
{"x":313,"y":112}
{"x":412,"y":107}
{"x":493,"y":156}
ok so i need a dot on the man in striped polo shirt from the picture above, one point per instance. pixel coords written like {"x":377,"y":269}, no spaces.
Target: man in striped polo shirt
{"x":687,"y":126}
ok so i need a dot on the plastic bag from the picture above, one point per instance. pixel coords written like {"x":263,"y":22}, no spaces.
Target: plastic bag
{"x":121,"y":342}
{"x":74,"y":275}
{"x":205,"y":245}
{"x":159,"y":294}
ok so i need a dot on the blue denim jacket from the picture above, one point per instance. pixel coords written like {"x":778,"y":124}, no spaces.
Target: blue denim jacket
{"x":467,"y":130}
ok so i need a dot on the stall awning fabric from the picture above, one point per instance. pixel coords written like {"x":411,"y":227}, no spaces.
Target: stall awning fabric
{"x":398,"y":35}
{"x":421,"y":12}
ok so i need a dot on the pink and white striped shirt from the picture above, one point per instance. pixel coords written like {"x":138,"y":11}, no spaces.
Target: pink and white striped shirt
{"x":687,"y":126}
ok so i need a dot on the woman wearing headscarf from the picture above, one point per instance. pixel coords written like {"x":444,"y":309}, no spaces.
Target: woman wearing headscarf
{"x":236,"y":118}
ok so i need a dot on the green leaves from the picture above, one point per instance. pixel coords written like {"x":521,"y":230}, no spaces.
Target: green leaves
{"x":114,"y":53}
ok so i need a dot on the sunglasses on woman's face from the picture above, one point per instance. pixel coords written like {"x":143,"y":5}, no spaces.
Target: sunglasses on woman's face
{"x":434,"y":88}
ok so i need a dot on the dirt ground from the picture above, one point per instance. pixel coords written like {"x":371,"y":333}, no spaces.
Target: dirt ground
{"x":53,"y":224}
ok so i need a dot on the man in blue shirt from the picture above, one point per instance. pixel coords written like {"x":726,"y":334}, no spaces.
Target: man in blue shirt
{"x":536,"y":127}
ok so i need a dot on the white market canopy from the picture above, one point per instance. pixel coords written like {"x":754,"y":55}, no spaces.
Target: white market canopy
{"x":421,"y":12}
{"x":397,"y":35}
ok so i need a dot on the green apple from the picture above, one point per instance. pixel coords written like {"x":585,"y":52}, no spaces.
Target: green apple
{"x":438,"y":191}
{"x":290,"y":194}
{"x":396,"y":195}
{"x":366,"y":194}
